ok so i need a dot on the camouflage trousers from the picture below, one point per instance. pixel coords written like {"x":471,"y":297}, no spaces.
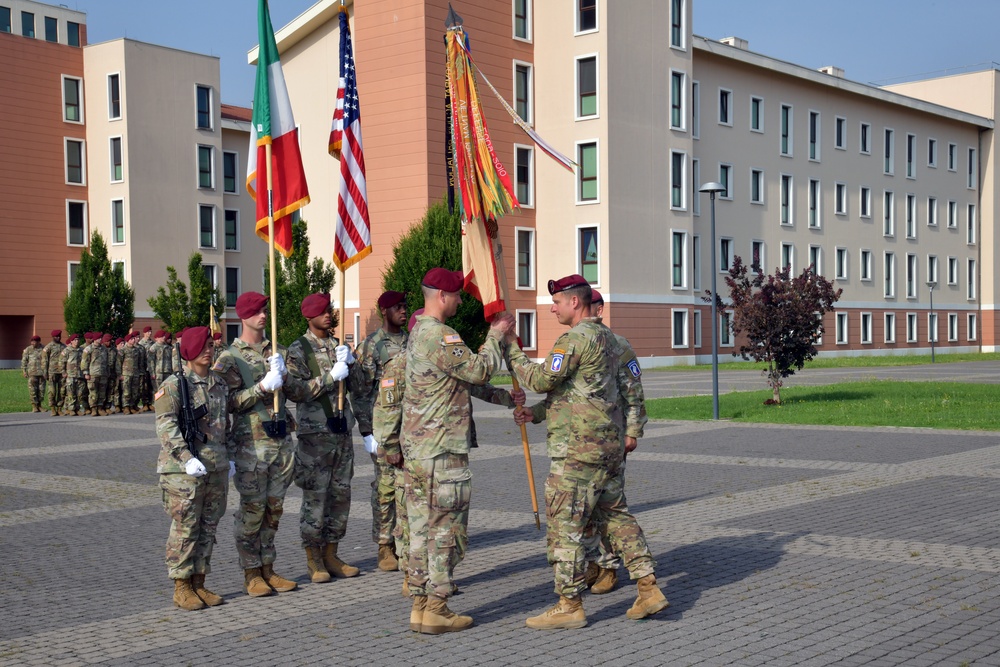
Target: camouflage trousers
{"x":324,"y":467}
{"x":401,"y":531}
{"x":115,"y":393}
{"x":56,"y":389}
{"x":195,"y":506}
{"x":597,"y":543}
{"x":74,"y":391}
{"x":262,"y":477}
{"x":575,"y":493}
{"x":97,"y":388}
{"x":131,"y":390}
{"x":383,"y":500}
{"x":437,"y":508}
{"x":147,"y":389}
{"x":36,"y":389}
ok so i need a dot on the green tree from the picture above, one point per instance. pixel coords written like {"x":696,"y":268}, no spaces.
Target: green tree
{"x":296,"y":278}
{"x":434,"y":241}
{"x":101,"y":299}
{"x":180,"y":305}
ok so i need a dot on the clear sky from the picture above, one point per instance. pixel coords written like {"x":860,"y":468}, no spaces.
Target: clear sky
{"x":875,"y":41}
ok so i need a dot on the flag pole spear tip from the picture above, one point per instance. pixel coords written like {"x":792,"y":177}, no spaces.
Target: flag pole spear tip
{"x":454,"y":20}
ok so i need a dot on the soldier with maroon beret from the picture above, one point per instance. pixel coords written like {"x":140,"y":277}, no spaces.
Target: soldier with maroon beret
{"x":54,"y":369}
{"x":33,"y":368}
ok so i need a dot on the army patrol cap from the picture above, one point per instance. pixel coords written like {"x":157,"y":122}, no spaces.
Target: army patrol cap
{"x":194,"y":342}
{"x":56,"y":333}
{"x":249,"y":304}
{"x":444,"y":280}
{"x":390,"y":299}
{"x":596,"y":298}
{"x":36,"y":339}
{"x":315,"y":305}
{"x":569,"y":282}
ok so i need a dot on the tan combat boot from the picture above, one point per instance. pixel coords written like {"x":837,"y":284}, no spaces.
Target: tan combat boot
{"x":184,"y":596}
{"x":607,"y":581}
{"x":254,"y":585}
{"x":567,"y":614}
{"x":650,"y":600}
{"x":314,"y":561}
{"x":55,"y":412}
{"x":387,"y":558}
{"x":35,"y":408}
{"x":590,"y":576}
{"x":93,"y":412}
{"x":439,"y":619}
{"x":206,"y":596}
{"x":417,"y":612}
{"x":275,"y":580}
{"x":335,"y":566}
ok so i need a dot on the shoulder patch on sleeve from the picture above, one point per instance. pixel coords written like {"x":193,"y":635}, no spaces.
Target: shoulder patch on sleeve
{"x":557,"y":360}
{"x":633,"y":367}
{"x":158,"y":394}
{"x":219,"y":366}
{"x":452,"y":339}
{"x":388,"y":382}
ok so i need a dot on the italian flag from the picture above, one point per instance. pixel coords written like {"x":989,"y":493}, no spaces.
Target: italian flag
{"x":273,"y":124}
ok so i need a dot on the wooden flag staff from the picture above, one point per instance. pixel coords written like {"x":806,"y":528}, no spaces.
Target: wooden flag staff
{"x":527,"y":458}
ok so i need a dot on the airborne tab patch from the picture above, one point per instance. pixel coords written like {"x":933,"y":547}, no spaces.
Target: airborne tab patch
{"x":452,"y":339}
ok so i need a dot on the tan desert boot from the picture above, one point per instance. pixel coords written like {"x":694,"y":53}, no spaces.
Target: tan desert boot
{"x":417,"y":612}
{"x":438,"y":619}
{"x":254,"y":585}
{"x":567,"y":614}
{"x":335,"y":566}
{"x":317,"y":571}
{"x":184,"y":596}
{"x":650,"y":600}
{"x":275,"y":580}
{"x":207,"y":596}
{"x":607,"y":581}
{"x":387,"y":558}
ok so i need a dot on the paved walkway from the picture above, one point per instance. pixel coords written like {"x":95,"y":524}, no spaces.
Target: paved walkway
{"x":776,"y":546}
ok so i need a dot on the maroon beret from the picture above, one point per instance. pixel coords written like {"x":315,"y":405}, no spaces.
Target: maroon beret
{"x":249,"y":304}
{"x":413,"y":319}
{"x":569,"y":282}
{"x":119,"y":341}
{"x":217,"y":335}
{"x":56,"y":332}
{"x":315,"y":305}
{"x":595,"y":297}
{"x":147,"y":329}
{"x":88,"y":336}
{"x":36,"y":338}
{"x":73,"y":338}
{"x":194,"y":342}
{"x":444,"y":280}
{"x":106,"y":338}
{"x":390,"y":299}
{"x":160,"y":333}
{"x":96,"y":335}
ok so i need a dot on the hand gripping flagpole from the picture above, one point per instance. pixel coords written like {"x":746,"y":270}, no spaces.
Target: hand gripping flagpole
{"x":270,"y":259}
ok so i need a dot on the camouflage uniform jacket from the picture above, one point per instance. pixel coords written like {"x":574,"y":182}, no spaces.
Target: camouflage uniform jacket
{"x":32,"y":362}
{"x":387,"y":418}
{"x":52,"y":357}
{"x":309,"y":415}
{"x":373,"y":354}
{"x":580,"y":376}
{"x":175,"y":357}
{"x":71,"y":360}
{"x":133,"y":361}
{"x":159,"y":359}
{"x":174,"y":452}
{"x":252,"y":405}
{"x":439,"y":369}
{"x":115,"y":361}
{"x":95,"y":360}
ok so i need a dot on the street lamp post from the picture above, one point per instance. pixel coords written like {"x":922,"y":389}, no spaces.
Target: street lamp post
{"x":712,"y":188}
{"x":932,"y":334}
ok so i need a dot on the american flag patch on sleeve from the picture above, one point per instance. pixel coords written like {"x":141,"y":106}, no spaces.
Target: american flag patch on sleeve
{"x":452,"y":339}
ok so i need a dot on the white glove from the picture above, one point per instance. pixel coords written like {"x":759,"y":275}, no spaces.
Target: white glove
{"x":371,"y":444}
{"x":339,"y":371}
{"x":232,"y":470}
{"x":278,"y":362}
{"x":272,"y":380}
{"x":344,"y":354}
{"x":195,"y":468}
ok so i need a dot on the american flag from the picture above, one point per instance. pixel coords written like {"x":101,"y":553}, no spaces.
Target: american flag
{"x":353,"y":231}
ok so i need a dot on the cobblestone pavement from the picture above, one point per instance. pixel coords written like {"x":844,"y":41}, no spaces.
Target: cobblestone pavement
{"x":776,"y":545}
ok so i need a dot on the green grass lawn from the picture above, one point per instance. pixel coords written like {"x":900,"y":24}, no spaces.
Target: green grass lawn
{"x":14,"y":392}
{"x":945,"y":405}
{"x":727,"y":363}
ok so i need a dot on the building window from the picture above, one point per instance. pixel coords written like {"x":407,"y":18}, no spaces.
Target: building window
{"x":211,"y":274}
{"x":786,"y":130}
{"x":695,"y":262}
{"x":932,"y":211}
{"x":888,"y":214}
{"x":522,"y":19}
{"x":932,"y":153}
{"x":816,"y":259}
{"x":952,"y":215}
{"x":203,"y":95}
{"x":756,"y":114}
{"x":970,"y":281}
{"x":206,"y":226}
{"x":725,"y":255}
{"x":725,"y":107}
{"x":75,"y":160}
{"x":756,"y":186}
{"x":232,"y":285}
{"x":114,"y":97}
{"x":586,"y":158}
{"x":970,"y":224}
{"x":524,"y":163}
{"x":866,"y":328}
{"x":889,"y":333}
{"x":51,"y":29}
{"x":27,"y":24}
{"x":233,"y":332}
{"x":786,"y":200}
{"x":522,"y":91}
{"x":206,"y":177}
{"x":232,"y":220}
{"x":814,"y":134}
{"x":889,"y":275}
{"x":696,"y":327}
{"x":814,"y":203}
{"x":117,"y":172}
{"x":953,"y":270}
{"x":726,"y":180}
{"x":76,"y":223}
{"x":840,"y":133}
{"x":586,"y":15}
{"x":952,"y":327}
{"x":889,"y":154}
{"x":841,"y":264}
{"x":4,"y":19}
{"x":525,"y":258}
{"x":932,"y":327}
{"x":971,"y":171}
{"x":526,"y":328}
{"x":865,"y":202}
{"x":865,"y":136}
{"x":840,"y":199}
{"x":117,"y":221}
{"x":695,"y":180}
{"x":911,"y":156}
{"x":677,"y":186}
{"x":678,"y":249}
{"x":932,"y":269}
{"x":911,"y":216}
{"x":757,"y":259}
{"x":678,"y":86}
{"x":911,"y":276}
{"x":588,"y":254}
{"x":726,"y":328}
{"x":695,"y":110}
{"x":679,"y":328}
{"x":788,"y":257}
{"x":230,"y":172}
{"x":73,"y":268}
{"x":866,"y":265}
{"x":970,"y":324}
{"x":72,"y":33}
{"x":911,"y":327}
{"x":677,"y":23}
{"x":72,"y":107}
{"x":841,"y":328}
{"x":952,"y":157}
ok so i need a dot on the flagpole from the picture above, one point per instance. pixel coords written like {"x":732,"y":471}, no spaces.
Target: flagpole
{"x":343,"y":340}
{"x":270,"y":259}
{"x":527,"y":458}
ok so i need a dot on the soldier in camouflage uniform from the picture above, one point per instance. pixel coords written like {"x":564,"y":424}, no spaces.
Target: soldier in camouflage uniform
{"x":580,"y":376}
{"x":74,"y":378}
{"x":436,"y":416}
{"x":54,"y":369}
{"x":33,"y":368}
{"x":218,"y":346}
{"x":175,"y":351}
{"x":264,"y":464}
{"x":374,"y":353}
{"x":133,"y":372}
{"x":85,"y":347}
{"x":95,"y":368}
{"x":194,"y":483}
{"x":160,"y":365}
{"x":115,"y":382}
{"x":145,"y":343}
{"x":324,"y":460}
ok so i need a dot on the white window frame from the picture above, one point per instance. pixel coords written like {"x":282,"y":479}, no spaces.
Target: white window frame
{"x":86,"y":223}
{"x":695,"y":180}
{"x":211,"y":108}
{"x":972,"y":175}
{"x":840,"y":123}
{"x":815,"y":140}
{"x":865,"y":265}
{"x":239,"y":242}
{"x":695,"y":110}
{"x":685,"y":342}
{"x":889,"y":274}
{"x":762,"y":259}
{"x":889,"y":327}
{"x":683,"y":23}
{"x":912,"y":334}
{"x":889,"y":151}
{"x":239,"y":283}
{"x":790,"y":253}
{"x":911,"y":156}
{"x":952,"y":270}
{"x":215,"y":274}
{"x":578,"y":175}
{"x":932,"y":212}
{"x":841,"y":325}
{"x":911,"y":215}
{"x":728,"y":94}
{"x":236,"y":184}
{"x":888,"y":213}
{"x":682,"y":127}
{"x":970,"y":224}
{"x":531,"y":88}
{"x":211,"y":166}
{"x":971,"y":332}
{"x":865,"y":202}
{"x":683,"y":259}
{"x":215,"y":228}
{"x":80,"y":100}
{"x":531,"y":260}
{"x":790,"y":180}
{"x":534,"y":326}
{"x":597,"y":20}
{"x":866,"y":328}
{"x":932,"y":327}
{"x":696,"y":328}
{"x":597,"y":86}
{"x":83,"y":161}
{"x":121,"y":97}
{"x":840,"y":198}
{"x":790,"y":133}
{"x":69,"y":273}
{"x":123,"y":264}
{"x":970,"y":279}
{"x":952,"y":157}
{"x":816,"y":258}
{"x":726,"y":337}
{"x":912,"y":275}
{"x":760,"y":114}
{"x":952,"y":327}
{"x":727,"y":181}
{"x":527,"y":22}
{"x":695,"y":262}
{"x":814,"y":195}
{"x":530,"y":204}
{"x":864,"y":133}
{"x":932,"y":269}
{"x":841,"y":266}
{"x":683,"y":183}
{"x":952,"y":214}
{"x":757,"y":178}
{"x":111,"y":158}
{"x":111,"y":217}
{"x":932,"y":152}
{"x":725,"y":241}
{"x":579,"y":265}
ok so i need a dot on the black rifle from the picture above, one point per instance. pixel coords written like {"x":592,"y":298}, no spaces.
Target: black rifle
{"x":189,"y":417}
